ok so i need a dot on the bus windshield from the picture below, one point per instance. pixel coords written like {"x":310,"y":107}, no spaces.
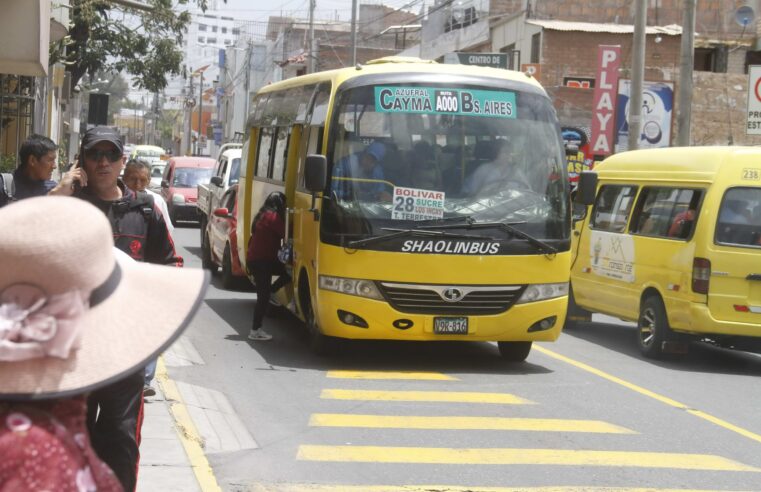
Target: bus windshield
{"x":406,"y":157}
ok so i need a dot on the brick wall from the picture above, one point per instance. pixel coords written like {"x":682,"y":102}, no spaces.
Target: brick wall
{"x":575,"y":53}
{"x":719,"y":103}
{"x":713,"y":18}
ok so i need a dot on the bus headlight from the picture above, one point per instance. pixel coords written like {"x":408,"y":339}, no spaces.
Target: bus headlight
{"x":542,"y":292}
{"x":350,"y":286}
{"x":178,"y":199}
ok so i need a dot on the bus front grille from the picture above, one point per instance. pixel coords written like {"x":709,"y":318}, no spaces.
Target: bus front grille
{"x":451,"y":299}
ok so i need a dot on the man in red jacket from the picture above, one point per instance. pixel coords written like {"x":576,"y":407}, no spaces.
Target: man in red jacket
{"x":267,"y":232}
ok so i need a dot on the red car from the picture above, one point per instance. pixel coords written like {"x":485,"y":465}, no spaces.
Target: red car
{"x":179,"y":185}
{"x":220,"y":242}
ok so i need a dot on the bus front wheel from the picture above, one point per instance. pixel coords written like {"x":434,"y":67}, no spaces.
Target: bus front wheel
{"x":319,"y":344}
{"x":514,"y":351}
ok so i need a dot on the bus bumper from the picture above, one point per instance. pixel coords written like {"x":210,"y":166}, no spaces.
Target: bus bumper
{"x":521,"y":322}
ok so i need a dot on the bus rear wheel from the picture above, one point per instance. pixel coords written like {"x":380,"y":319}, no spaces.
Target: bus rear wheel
{"x":514,"y":351}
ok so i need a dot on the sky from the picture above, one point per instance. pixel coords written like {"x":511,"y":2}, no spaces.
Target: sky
{"x":325,"y":9}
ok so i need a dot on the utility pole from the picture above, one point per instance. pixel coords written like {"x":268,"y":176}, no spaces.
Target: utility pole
{"x":353,"y":33}
{"x":638,"y":75}
{"x":189,"y":105}
{"x":200,"y":112}
{"x":312,"y":4}
{"x":249,"y":53}
{"x":686,"y":62}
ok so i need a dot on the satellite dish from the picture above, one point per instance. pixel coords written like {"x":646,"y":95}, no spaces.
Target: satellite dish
{"x":745,"y":15}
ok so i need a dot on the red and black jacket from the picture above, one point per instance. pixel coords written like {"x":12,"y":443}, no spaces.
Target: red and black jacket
{"x":138,"y":226}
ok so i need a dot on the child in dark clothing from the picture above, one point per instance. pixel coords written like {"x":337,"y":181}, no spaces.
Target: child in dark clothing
{"x":267,"y":232}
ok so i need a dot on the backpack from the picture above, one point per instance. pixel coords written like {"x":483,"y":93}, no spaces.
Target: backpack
{"x":7,"y":189}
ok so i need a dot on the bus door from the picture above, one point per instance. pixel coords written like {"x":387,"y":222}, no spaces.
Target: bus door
{"x":305,"y":220}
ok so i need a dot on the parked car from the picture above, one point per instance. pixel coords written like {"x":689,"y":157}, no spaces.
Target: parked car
{"x":226,"y":173}
{"x":179,"y":185}
{"x":220,"y":242}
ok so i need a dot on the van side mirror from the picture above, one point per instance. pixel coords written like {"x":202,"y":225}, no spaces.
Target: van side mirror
{"x":587,"y":188}
{"x":216,"y":180}
{"x":316,"y":173}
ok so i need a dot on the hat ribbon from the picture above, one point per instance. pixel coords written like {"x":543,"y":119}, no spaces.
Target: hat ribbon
{"x":33,"y":325}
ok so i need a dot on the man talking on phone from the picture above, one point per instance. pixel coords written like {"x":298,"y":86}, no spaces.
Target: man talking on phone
{"x":115,"y":413}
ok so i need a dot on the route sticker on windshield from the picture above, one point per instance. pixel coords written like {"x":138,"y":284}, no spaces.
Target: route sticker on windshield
{"x":432,"y":100}
{"x":417,"y":204}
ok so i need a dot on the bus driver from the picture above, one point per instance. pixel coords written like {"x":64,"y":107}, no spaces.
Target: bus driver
{"x":361,"y":175}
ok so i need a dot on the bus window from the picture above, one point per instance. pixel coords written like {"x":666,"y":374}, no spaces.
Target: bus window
{"x":384,"y":147}
{"x":319,"y":109}
{"x":264,"y":152}
{"x":281,"y":154}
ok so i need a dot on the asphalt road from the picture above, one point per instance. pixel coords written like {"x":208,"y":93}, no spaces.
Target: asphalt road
{"x":584,"y":413}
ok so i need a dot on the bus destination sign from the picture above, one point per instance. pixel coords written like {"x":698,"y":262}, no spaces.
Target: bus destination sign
{"x":430,"y":100}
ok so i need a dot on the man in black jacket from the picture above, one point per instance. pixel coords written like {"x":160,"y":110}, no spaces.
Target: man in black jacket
{"x":140,"y":231}
{"x":37,"y":157}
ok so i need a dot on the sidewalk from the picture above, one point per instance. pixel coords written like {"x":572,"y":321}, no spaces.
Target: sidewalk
{"x":165,"y":462}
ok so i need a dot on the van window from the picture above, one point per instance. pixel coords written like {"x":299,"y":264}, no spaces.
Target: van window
{"x":612,"y":207}
{"x":740,"y":217}
{"x":666,"y":212}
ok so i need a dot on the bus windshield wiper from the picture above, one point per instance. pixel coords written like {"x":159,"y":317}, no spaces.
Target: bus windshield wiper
{"x":509,"y":227}
{"x":413,"y":232}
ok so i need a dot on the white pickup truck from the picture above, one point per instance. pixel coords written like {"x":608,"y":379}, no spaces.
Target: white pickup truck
{"x":226,"y":173}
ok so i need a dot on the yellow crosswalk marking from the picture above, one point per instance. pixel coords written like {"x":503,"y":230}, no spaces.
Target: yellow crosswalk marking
{"x":426,"y":376}
{"x":310,"y":487}
{"x":463,"y":423}
{"x":429,"y":396}
{"x":519,"y":456}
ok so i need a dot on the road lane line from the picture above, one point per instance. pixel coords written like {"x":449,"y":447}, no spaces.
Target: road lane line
{"x":186,"y":430}
{"x":651,"y":394}
{"x":463,"y":423}
{"x":518,"y":456}
{"x":423,"y":396}
{"x":426,"y":376}
{"x":310,"y":487}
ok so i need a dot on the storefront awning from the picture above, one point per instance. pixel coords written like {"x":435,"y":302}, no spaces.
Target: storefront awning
{"x":25,"y":36}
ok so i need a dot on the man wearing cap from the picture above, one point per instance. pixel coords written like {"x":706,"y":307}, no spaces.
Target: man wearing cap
{"x":115,"y":413}
{"x":361,"y":175}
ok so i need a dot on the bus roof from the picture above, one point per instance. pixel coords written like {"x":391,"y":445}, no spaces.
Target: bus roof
{"x":395,"y":64}
{"x":677,"y":163}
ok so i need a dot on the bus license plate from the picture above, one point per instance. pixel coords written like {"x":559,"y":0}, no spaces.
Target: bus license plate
{"x":450,"y":326}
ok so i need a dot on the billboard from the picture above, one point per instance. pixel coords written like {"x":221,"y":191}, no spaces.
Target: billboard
{"x":753,"y":123}
{"x":657,"y":113}
{"x":608,"y":61}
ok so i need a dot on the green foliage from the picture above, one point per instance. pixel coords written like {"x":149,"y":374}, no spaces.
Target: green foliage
{"x":146,"y":44}
{"x":7,"y":163}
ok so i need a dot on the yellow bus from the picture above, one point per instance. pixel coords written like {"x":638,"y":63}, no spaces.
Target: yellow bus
{"x":425,"y":202}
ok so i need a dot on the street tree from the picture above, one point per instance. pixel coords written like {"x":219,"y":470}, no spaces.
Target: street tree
{"x":110,"y":36}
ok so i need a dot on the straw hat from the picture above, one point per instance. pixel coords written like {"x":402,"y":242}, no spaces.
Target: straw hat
{"x":75,"y":316}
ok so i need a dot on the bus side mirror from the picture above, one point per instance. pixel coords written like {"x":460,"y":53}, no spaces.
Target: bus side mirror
{"x":316,"y":173}
{"x":585,"y":191}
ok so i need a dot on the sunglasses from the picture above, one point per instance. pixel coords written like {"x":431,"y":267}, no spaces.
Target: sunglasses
{"x":96,"y":155}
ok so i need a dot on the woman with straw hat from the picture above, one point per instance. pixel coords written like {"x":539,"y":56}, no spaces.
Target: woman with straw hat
{"x":63,"y":293}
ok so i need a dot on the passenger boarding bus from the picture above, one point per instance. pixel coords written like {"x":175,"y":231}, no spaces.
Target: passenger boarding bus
{"x":426,"y":202}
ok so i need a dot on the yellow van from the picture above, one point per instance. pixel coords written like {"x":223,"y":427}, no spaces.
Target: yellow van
{"x":671,"y":239}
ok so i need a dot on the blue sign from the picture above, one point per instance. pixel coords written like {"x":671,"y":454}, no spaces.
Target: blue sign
{"x":434,"y":100}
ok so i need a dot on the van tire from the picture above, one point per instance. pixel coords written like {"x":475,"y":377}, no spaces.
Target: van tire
{"x":653,"y":327}
{"x":514,"y":351}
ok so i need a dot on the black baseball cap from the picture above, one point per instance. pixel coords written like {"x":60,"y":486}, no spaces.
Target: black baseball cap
{"x":102,"y":134}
